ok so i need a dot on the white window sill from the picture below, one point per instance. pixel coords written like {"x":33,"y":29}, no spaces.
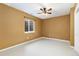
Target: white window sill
{"x":30,"y":32}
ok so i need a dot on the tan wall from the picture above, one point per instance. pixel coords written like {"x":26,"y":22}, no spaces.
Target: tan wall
{"x":72,"y":10}
{"x":12,"y":27}
{"x":57,"y":27}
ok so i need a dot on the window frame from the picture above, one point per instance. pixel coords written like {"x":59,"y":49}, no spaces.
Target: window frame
{"x":28,"y":21}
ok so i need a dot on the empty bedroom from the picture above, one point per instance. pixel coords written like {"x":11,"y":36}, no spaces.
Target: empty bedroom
{"x":39,"y":29}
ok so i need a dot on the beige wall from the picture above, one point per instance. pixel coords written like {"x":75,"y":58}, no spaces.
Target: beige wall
{"x":12,"y":27}
{"x":57,"y":27}
{"x":72,"y":10}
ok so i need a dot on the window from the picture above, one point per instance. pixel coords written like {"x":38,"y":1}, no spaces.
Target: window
{"x":29,"y":26}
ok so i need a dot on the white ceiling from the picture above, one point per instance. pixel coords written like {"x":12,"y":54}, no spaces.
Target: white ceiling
{"x":59,"y":9}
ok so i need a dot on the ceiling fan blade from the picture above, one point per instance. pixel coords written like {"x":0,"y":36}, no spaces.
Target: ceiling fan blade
{"x":44,"y":10}
{"x":41,"y":9}
{"x":49,"y":9}
{"x":49,"y":12}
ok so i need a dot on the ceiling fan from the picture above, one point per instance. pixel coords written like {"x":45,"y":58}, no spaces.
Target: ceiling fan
{"x":46,"y":11}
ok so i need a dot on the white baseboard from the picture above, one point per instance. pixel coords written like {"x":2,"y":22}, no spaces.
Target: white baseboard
{"x":32,"y":41}
{"x":20,"y":44}
{"x":72,"y":46}
{"x":57,"y":39}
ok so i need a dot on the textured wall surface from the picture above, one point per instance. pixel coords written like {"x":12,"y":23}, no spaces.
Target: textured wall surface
{"x":57,"y":27}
